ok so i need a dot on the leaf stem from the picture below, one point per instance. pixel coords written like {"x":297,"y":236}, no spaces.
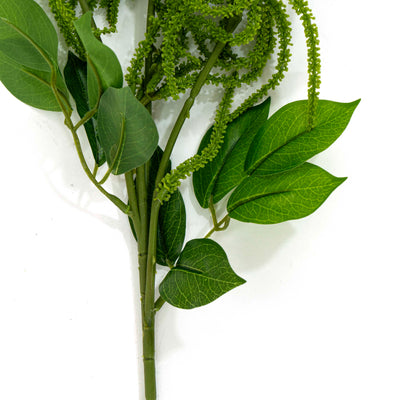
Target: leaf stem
{"x":219,"y":226}
{"x":158,"y":304}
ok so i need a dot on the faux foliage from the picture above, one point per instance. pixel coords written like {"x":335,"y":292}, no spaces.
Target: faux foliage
{"x":258,"y":162}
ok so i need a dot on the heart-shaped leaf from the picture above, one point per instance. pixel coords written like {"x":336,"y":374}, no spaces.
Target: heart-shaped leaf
{"x":101,"y":58}
{"x":122,"y":117}
{"x":226,"y":170}
{"x":285,"y":141}
{"x":27,"y":36}
{"x":31,"y":86}
{"x":201,"y":275}
{"x":281,"y":197}
{"x":75,"y":73}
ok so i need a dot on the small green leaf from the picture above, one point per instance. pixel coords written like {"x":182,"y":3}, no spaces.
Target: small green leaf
{"x":222,"y":174}
{"x":119,"y":109}
{"x":171,"y":229}
{"x":281,"y":197}
{"x":201,"y":275}
{"x":27,"y":36}
{"x":285,"y":142}
{"x":75,"y":74}
{"x":100,"y":57}
{"x":171,"y":220}
{"x":30,"y":86}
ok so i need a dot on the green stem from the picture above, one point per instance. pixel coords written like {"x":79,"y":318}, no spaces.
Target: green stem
{"x":133,"y":204}
{"x":116,"y":200}
{"x":158,"y":304}
{"x":84,"y":6}
{"x":148,"y":362}
{"x":155,"y":205}
{"x":220,"y":226}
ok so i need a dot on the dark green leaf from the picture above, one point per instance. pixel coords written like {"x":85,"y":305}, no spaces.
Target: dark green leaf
{"x":26,"y":34}
{"x":285,"y":142}
{"x":75,"y":74}
{"x":222,"y":174}
{"x":171,"y":220}
{"x":171,"y":229}
{"x":281,"y":197}
{"x":201,"y":275}
{"x":119,"y":109}
{"x":30,"y":86}
{"x":101,"y":57}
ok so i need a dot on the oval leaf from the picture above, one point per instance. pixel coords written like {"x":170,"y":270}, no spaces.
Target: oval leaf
{"x":226,"y":170}
{"x":75,"y":74}
{"x":27,"y":36}
{"x":201,"y":275}
{"x":281,"y":197}
{"x":122,"y":116}
{"x":101,"y":57}
{"x":31,"y":86}
{"x":285,"y":142}
{"x":171,"y":229}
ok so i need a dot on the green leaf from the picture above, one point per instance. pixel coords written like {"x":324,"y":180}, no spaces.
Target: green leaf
{"x":281,"y":197}
{"x":285,"y":142}
{"x":26,"y":34}
{"x":121,"y":114}
{"x":201,"y":275}
{"x":31,"y":86}
{"x":75,"y":74}
{"x":222,"y":174}
{"x":100,"y":57}
{"x":171,"y":220}
{"x":171,"y":229}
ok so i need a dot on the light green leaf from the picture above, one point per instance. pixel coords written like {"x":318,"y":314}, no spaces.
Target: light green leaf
{"x":201,"y":275}
{"x":281,"y":197}
{"x":222,"y":174}
{"x":121,"y":114}
{"x":30,"y":86}
{"x":285,"y":142}
{"x":27,"y":36}
{"x":100,"y":57}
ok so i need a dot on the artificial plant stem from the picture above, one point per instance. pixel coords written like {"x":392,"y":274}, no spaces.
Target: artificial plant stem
{"x":220,"y":226}
{"x":149,"y":363}
{"x":116,"y":200}
{"x":133,"y":204}
{"x":201,"y":80}
{"x":155,"y":205}
{"x":144,"y":225}
{"x":84,"y":6}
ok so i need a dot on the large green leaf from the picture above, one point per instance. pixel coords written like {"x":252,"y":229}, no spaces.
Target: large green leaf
{"x":26,"y":34}
{"x":31,"y":86}
{"x":75,"y":74}
{"x":281,"y":197}
{"x":122,"y":117}
{"x":222,"y":174}
{"x":201,"y":275}
{"x":285,"y":140}
{"x":100,"y":57}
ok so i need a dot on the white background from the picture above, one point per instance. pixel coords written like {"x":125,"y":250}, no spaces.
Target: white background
{"x":319,"y":315}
